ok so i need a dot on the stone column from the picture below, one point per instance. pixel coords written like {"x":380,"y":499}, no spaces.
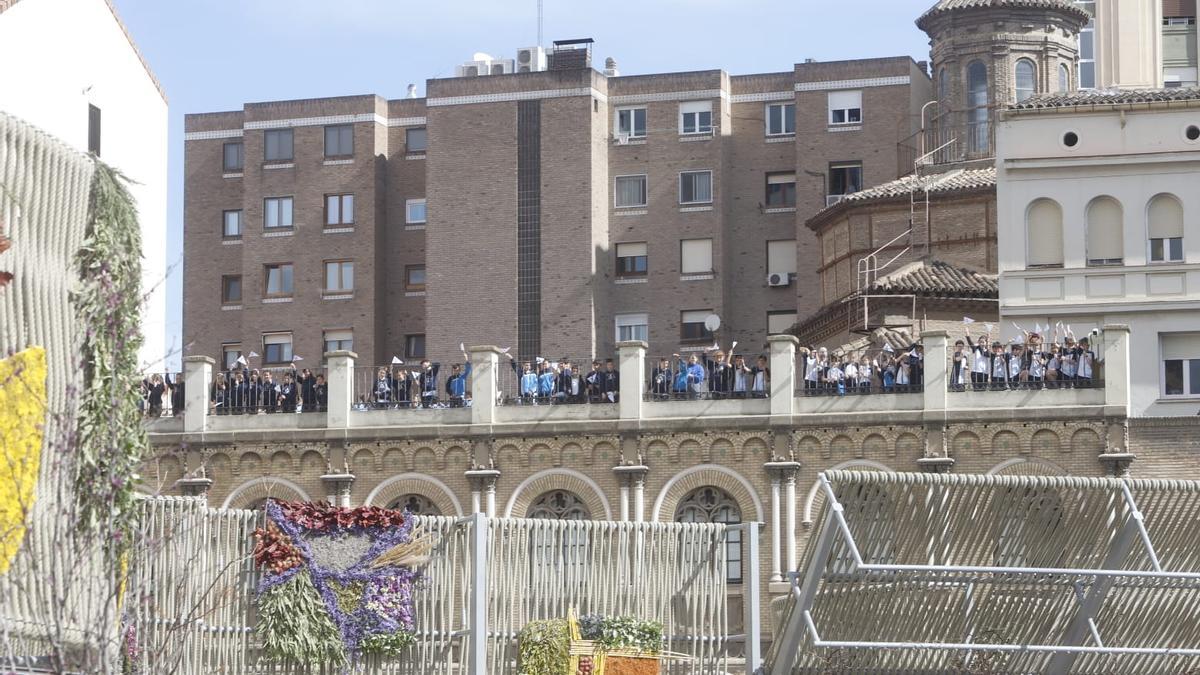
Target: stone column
{"x":632,"y":356}
{"x":339,"y":377}
{"x":937,"y":373}
{"x":1117,"y":463}
{"x":483,"y":490}
{"x":197,"y":381}
{"x":1115,"y":369}
{"x":783,"y":373}
{"x":776,"y":530}
{"x":785,"y":472}
{"x":337,"y":488}
{"x":632,"y":478}
{"x":485,"y":360}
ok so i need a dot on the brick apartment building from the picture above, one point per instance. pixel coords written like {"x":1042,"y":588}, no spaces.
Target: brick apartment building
{"x":554,"y":211}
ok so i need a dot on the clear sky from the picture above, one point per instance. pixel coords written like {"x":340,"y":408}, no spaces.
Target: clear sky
{"x":218,"y":54}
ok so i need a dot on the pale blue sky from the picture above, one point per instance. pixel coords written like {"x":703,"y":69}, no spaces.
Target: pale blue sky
{"x":218,"y":54}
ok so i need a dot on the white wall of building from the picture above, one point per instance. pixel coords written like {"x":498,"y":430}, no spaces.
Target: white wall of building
{"x":1131,"y":156}
{"x":58,"y":57}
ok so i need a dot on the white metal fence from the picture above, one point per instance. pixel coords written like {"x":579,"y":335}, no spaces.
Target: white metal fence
{"x":192,"y":587}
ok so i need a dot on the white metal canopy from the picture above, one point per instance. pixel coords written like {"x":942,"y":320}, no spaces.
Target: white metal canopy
{"x":932,"y":572}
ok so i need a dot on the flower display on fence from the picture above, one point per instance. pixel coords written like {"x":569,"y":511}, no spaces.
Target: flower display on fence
{"x":22,"y":416}
{"x":337,"y":582}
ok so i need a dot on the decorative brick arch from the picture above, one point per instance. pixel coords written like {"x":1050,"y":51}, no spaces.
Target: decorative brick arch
{"x":544,"y":481}
{"x":682,"y":483}
{"x":251,"y":491}
{"x":416,"y":483}
{"x":1027,"y":466}
{"x":816,"y":495}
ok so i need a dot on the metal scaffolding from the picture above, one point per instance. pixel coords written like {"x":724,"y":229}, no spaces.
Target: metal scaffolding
{"x":921,"y":572}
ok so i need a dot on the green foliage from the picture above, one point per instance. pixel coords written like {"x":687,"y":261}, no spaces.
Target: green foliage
{"x":295,"y":626}
{"x":388,"y":644}
{"x":544,"y":648}
{"x":108,"y":306}
{"x":626,"y":632}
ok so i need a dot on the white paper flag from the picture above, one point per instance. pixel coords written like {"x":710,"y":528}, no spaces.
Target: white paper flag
{"x":396,"y":361}
{"x":989,"y":327}
{"x":733,"y":346}
{"x":716,"y":346}
{"x":242,"y":360}
{"x":462,"y":347}
{"x":505,"y":350}
{"x":297,"y":358}
{"x":540,"y":359}
{"x":253,"y":354}
{"x":888,"y":348}
{"x":968,"y":320}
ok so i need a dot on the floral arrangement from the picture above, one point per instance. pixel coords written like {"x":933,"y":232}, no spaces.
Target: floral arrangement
{"x":337,"y":582}
{"x":592,"y":644}
{"x":22,"y":416}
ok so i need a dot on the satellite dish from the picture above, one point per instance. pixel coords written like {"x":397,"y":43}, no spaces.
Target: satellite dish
{"x":712,"y":322}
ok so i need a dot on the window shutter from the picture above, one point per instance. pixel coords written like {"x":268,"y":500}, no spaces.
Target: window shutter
{"x":1105,"y":230}
{"x":694,"y":316}
{"x":277,"y":339}
{"x":631,"y":250}
{"x":340,"y":335}
{"x":1165,"y":218}
{"x":1044,"y":233}
{"x":780,"y":178}
{"x":696,"y":256}
{"x":1181,"y":346}
{"x":781,"y":257}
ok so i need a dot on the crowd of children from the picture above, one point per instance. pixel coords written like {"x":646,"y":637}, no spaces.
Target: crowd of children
{"x":399,"y":386}
{"x":841,"y":373}
{"x":249,"y":391}
{"x":544,"y":381}
{"x":709,"y":374}
{"x":984,"y":364}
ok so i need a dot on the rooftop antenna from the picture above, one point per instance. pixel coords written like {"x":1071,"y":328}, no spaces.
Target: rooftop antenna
{"x":540,"y":23}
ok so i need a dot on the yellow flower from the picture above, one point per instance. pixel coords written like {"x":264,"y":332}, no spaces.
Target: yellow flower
{"x":22,"y":416}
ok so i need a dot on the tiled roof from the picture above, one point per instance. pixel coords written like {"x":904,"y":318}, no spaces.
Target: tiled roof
{"x":896,"y":338}
{"x":936,"y":279}
{"x":955,"y":180}
{"x":1118,"y":97}
{"x":7,"y":4}
{"x":946,"y":6}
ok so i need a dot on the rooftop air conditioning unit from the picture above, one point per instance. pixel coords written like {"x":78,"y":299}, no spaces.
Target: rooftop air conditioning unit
{"x":531,"y":60}
{"x":778,"y":279}
{"x":502,"y":67}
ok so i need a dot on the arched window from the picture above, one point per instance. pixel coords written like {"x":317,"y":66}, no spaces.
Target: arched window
{"x":943,"y":84}
{"x":1044,"y":234}
{"x":1064,"y":77}
{"x":1026,"y":79}
{"x":1164,"y":228}
{"x":978,"y":133}
{"x":1105,"y":232}
{"x":418,"y":505}
{"x":714,"y":505}
{"x":559,"y":505}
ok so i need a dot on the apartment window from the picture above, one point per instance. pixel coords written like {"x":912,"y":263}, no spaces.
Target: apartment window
{"x":691,"y":325}
{"x":631,"y":259}
{"x":231,"y":289}
{"x":1087,"y":47}
{"x":341,"y":340}
{"x":633,"y":327}
{"x":781,"y":189}
{"x":781,"y":119}
{"x":845,"y":178}
{"x":695,"y":187}
{"x":233,"y":158}
{"x":414,"y":278}
{"x":339,"y":140}
{"x":277,"y":348}
{"x":414,"y":346}
{"x":339,"y":209}
{"x":277,"y":145}
{"x":845,"y":107}
{"x":277,"y":212}
{"x":695,"y":117}
{"x":279,"y":280}
{"x":1064,"y":77}
{"x":232,"y":224}
{"x":1026,"y":79}
{"x":780,"y":322}
{"x":416,"y":140}
{"x":230,"y":353}
{"x":943,"y":84}
{"x":339,"y":276}
{"x":94,"y":130}
{"x":695,"y":256}
{"x":781,"y":258}
{"x":1105,"y":232}
{"x":1180,"y":364}
{"x":1044,"y":234}
{"x":414,"y":211}
{"x":631,"y":122}
{"x":1165,"y":229}
{"x":630,"y":191}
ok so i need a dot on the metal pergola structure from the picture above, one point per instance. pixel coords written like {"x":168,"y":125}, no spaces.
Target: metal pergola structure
{"x":969,"y":573}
